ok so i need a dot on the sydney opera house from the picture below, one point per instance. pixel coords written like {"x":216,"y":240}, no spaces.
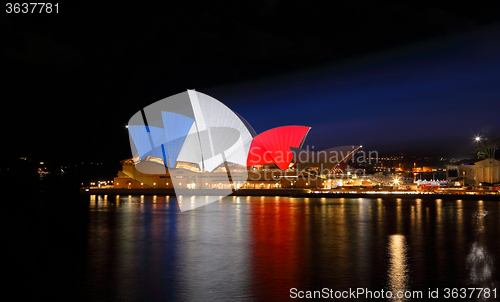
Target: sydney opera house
{"x":193,"y":141}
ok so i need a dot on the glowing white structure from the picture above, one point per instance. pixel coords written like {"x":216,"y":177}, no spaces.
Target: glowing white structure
{"x":189,"y":127}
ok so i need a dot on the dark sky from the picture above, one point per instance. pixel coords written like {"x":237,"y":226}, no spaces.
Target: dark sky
{"x":393,"y":77}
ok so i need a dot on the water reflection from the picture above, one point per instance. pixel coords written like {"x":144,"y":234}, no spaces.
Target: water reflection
{"x":399,"y":215}
{"x":398,"y":271}
{"x":363,"y":238}
{"x":480,"y":265}
{"x":257,"y":248}
{"x":479,"y":261}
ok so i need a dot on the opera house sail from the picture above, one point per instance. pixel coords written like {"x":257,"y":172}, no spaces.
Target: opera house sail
{"x":194,"y":130}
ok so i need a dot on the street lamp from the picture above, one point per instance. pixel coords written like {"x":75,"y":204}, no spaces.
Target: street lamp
{"x":478,"y":138}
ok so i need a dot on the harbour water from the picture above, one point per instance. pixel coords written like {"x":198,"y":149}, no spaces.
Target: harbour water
{"x":141,"y":248}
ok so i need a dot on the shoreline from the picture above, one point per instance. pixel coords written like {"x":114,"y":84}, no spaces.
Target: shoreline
{"x":307,"y":193}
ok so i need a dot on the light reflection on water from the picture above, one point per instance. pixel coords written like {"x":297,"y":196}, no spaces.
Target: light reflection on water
{"x":398,"y":272}
{"x":480,"y":262}
{"x":257,"y":248}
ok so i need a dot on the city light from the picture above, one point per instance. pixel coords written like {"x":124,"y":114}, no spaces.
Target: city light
{"x":478,"y":138}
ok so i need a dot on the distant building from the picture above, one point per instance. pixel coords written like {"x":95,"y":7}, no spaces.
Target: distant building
{"x":474,"y":171}
{"x":488,"y":171}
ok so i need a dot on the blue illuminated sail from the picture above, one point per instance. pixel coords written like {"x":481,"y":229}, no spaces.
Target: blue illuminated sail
{"x":176,"y":129}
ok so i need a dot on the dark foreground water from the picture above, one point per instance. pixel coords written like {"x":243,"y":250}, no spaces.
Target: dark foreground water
{"x":252,"y":249}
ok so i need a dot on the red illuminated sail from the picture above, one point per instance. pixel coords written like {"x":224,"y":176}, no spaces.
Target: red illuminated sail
{"x":273,"y":146}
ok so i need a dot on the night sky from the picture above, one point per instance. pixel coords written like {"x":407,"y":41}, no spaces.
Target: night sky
{"x":392,"y":77}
